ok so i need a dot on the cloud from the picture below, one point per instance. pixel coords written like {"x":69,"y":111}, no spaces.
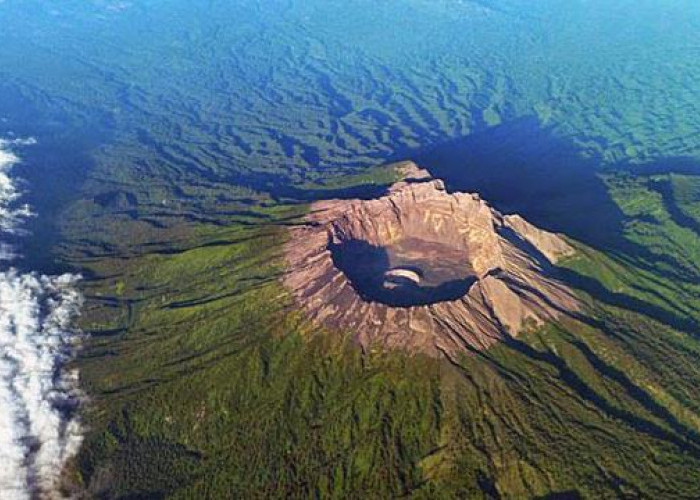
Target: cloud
{"x":39,"y":429}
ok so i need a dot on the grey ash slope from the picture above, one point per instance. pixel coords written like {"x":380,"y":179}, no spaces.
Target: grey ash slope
{"x":424,"y":269}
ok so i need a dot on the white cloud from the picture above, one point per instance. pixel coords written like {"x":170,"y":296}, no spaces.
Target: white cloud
{"x":38,"y":399}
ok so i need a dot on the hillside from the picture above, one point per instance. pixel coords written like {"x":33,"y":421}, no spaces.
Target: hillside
{"x":206,"y":366}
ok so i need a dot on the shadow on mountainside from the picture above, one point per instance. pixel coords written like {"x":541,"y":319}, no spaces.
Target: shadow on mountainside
{"x":521,"y":167}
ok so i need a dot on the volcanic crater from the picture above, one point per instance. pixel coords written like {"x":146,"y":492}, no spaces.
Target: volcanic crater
{"x":423,"y":269}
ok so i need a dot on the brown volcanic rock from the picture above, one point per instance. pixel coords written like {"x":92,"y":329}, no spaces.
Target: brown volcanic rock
{"x":423,"y":269}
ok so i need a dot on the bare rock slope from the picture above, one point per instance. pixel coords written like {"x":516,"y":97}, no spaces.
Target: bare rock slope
{"x":423,"y":269}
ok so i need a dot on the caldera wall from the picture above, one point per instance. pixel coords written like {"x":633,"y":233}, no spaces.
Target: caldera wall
{"x":424,"y":269}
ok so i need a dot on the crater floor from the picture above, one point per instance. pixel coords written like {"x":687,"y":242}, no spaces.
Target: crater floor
{"x":409,"y":272}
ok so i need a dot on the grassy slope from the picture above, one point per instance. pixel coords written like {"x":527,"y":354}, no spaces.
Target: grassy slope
{"x":205,"y":384}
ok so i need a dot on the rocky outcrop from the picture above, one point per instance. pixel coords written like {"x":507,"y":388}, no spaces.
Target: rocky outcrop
{"x":424,"y":269}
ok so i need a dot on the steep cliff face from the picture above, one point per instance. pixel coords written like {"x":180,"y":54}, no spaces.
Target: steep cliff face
{"x":423,"y":269}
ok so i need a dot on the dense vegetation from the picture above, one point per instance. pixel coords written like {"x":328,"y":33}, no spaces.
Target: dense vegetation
{"x":239,"y":396}
{"x":180,"y":142}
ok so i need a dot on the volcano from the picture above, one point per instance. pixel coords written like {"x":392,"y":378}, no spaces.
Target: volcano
{"x":423,"y":269}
